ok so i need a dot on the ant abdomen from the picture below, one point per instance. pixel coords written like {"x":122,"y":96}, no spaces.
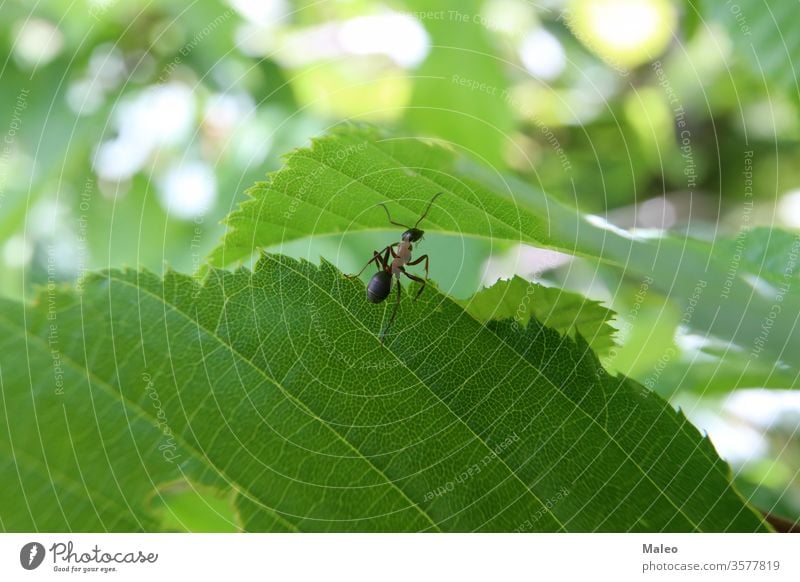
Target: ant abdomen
{"x":379,"y":286}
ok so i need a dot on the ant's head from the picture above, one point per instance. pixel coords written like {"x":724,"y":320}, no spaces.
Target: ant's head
{"x":412,"y":235}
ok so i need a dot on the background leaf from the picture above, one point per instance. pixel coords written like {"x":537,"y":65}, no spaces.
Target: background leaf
{"x":336,"y":185}
{"x":461,"y":91}
{"x":561,"y":310}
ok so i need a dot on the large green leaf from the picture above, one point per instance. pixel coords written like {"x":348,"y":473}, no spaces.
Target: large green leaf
{"x":274,"y":383}
{"x":335,"y":186}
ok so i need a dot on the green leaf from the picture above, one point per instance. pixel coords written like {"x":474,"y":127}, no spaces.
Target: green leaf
{"x":335,"y":187}
{"x":561,"y":310}
{"x":710,"y":376}
{"x":274,"y":384}
{"x":769,"y":254}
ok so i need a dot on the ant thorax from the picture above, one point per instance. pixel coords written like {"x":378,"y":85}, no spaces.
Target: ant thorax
{"x":403,"y":256}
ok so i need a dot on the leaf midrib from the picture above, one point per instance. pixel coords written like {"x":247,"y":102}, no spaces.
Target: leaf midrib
{"x":176,"y":309}
{"x":413,"y":373}
{"x":512,"y":473}
{"x":138,"y":411}
{"x":526,"y":363}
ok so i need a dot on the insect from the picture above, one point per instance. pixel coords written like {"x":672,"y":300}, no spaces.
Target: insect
{"x":380,"y":285}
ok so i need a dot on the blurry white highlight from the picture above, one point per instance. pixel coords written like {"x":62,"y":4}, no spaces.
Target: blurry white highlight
{"x":260,"y":12}
{"x":37,"y":42}
{"x":789,"y":208}
{"x":399,"y":37}
{"x":161,"y":115}
{"x":624,"y":24}
{"x":188,"y":190}
{"x":543,"y":55}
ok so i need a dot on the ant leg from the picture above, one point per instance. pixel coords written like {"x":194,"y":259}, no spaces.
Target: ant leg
{"x":389,"y":251}
{"x":419,"y":260}
{"x":394,"y":311}
{"x":379,"y":262}
{"x":384,"y":261}
{"x":376,"y":257}
{"x":419,"y":280}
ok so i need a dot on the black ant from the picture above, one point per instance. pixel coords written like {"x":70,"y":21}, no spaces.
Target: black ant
{"x":380,"y":285}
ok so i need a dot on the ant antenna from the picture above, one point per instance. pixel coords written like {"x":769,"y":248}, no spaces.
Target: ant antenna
{"x":389,"y":216}
{"x":424,"y":214}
